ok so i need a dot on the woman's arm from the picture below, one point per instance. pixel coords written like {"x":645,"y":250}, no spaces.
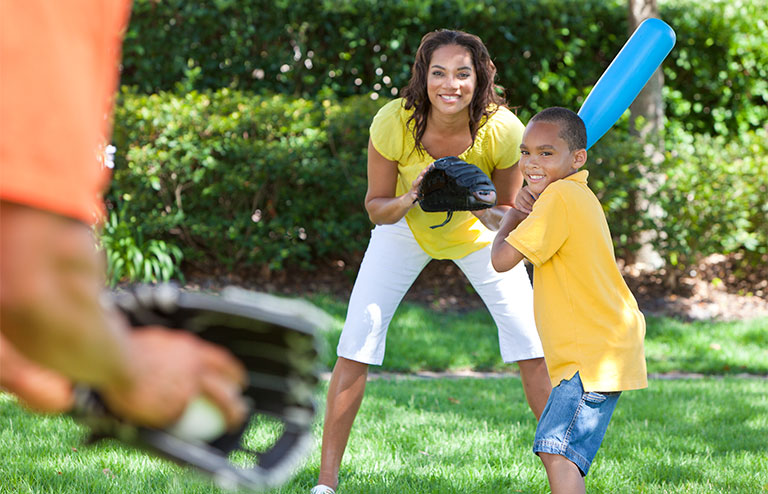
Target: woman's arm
{"x":507,"y":182}
{"x":380,"y":201}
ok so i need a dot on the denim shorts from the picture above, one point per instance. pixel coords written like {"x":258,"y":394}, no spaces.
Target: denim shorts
{"x":574,"y":422}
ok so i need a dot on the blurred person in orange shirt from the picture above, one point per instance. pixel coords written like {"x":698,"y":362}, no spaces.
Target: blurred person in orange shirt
{"x":59,"y":68}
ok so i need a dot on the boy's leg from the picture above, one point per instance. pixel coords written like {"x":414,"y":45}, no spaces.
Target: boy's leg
{"x":391,"y":264}
{"x":570,"y":432}
{"x":509,"y":298}
{"x":536,"y":383}
{"x":563,"y":475}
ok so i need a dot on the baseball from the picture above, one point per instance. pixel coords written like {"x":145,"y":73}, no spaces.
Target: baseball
{"x":201,"y":421}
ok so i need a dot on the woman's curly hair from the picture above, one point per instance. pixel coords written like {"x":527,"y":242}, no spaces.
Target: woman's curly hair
{"x":486,"y":99}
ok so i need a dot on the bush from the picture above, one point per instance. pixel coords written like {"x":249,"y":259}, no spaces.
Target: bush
{"x":714,"y":197}
{"x":615,"y":177}
{"x":710,"y":191}
{"x":239,"y":177}
{"x":131,"y":257}
{"x":715,"y":75}
{"x":241,"y":181}
{"x":354,"y":47}
{"x":716,"y":78}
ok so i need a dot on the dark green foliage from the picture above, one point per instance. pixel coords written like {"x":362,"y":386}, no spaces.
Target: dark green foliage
{"x":716,"y":80}
{"x":132,"y":257}
{"x":242,"y":181}
{"x":350,"y":47}
{"x":614,"y":176}
{"x":548,"y":52}
{"x":252,"y":151}
{"x":711,"y":191}
{"x":714,"y":197}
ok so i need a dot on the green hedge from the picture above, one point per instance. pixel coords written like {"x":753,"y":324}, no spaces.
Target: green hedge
{"x":240,"y":181}
{"x":715,"y":198}
{"x":548,"y":52}
{"x":242,"y":128}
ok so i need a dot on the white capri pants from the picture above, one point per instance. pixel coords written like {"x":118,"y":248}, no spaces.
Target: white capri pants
{"x":392,"y":263}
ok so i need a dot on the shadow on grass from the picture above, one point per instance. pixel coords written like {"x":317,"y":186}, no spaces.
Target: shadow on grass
{"x":701,"y":435}
{"x":714,"y":348}
{"x":451,"y":435}
{"x":709,"y":433}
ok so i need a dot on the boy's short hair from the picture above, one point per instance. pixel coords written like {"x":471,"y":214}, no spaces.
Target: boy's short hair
{"x":572,"y":128}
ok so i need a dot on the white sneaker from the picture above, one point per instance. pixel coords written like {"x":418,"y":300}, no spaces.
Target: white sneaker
{"x":322,"y":489}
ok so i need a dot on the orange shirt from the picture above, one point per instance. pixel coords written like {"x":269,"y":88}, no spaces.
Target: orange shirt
{"x":58,"y":74}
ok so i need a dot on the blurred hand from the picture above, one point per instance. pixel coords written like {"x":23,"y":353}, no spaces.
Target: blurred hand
{"x":170,"y":369}
{"x":38,"y":388}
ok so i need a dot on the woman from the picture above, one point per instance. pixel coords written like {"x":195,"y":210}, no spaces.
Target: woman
{"x":449,"y":108}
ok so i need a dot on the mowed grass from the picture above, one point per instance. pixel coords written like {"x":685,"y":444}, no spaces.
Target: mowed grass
{"x":422,"y":339}
{"x":468,"y":435}
{"x":447,"y":436}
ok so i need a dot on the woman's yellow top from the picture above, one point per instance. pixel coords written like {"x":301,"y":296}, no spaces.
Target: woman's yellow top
{"x":497,"y":145}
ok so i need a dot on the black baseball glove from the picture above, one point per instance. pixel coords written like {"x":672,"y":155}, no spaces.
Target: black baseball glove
{"x":274,"y":338}
{"x":452,"y":184}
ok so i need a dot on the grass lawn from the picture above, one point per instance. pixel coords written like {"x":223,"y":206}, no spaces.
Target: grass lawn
{"x":422,"y":339}
{"x":469,"y":435}
{"x":447,"y":436}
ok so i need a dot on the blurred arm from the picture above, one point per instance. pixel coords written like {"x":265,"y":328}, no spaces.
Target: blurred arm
{"x":51,"y":279}
{"x":55,"y":330}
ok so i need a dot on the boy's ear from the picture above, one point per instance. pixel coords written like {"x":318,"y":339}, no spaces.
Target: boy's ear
{"x":579,"y":158}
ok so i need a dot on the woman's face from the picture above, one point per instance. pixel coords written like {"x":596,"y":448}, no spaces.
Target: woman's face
{"x":451,"y":79}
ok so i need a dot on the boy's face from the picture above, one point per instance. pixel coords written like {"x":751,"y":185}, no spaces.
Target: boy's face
{"x":545,"y":156}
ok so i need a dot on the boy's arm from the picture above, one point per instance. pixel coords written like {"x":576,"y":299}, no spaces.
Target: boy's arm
{"x":507,"y":182}
{"x":503,"y":256}
{"x":524,"y":200}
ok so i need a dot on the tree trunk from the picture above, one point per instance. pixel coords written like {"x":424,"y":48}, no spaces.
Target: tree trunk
{"x":650,"y":106}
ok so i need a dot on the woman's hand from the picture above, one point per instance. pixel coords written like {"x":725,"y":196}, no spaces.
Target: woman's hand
{"x":413,"y":194}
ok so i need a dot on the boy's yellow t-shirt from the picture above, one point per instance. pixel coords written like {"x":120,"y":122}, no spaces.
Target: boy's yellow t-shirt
{"x":497,"y":145}
{"x":586,"y":315}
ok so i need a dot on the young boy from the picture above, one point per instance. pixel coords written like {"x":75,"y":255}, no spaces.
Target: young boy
{"x":590,"y":326}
